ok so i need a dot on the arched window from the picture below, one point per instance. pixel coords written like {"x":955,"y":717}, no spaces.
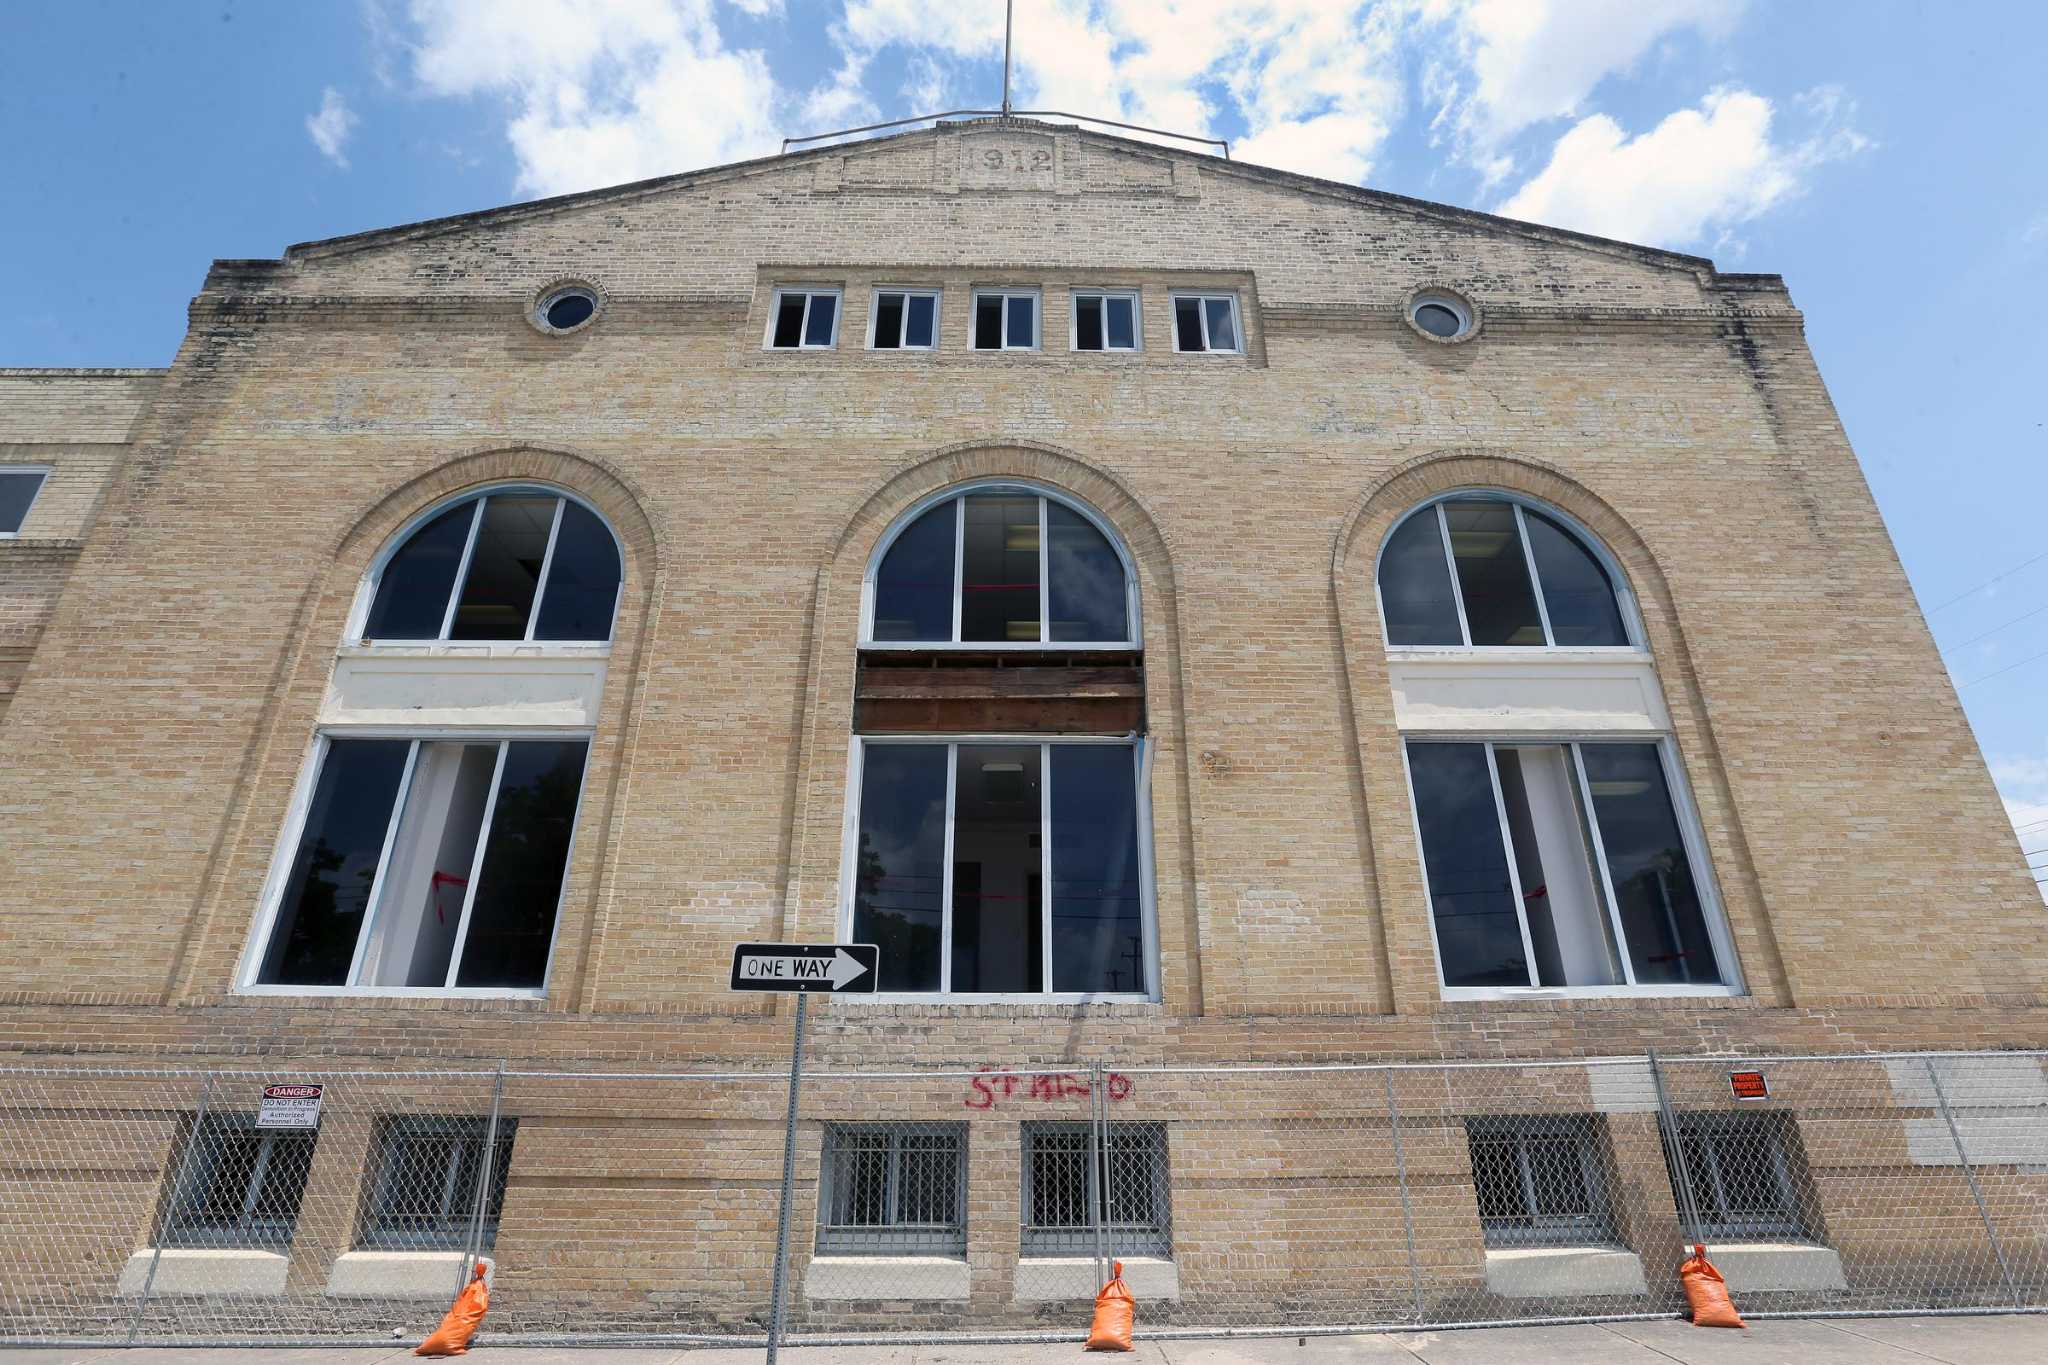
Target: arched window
{"x":1560,"y":850}
{"x":1002,"y":566}
{"x":1478,"y":569}
{"x":514,"y":563}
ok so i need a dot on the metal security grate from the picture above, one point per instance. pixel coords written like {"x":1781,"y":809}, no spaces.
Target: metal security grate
{"x":1540,"y":1180}
{"x":424,"y":1196}
{"x":1130,"y":1174}
{"x":234,"y":1185}
{"x":893,"y":1189}
{"x":1742,"y":1169}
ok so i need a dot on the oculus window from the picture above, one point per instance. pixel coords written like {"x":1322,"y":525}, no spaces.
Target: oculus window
{"x":1003,"y":568}
{"x":1130,"y":1178}
{"x":18,"y":489}
{"x":1559,"y":865}
{"x":1440,"y":316}
{"x":1002,"y":868}
{"x":804,"y":320}
{"x":1206,"y":322}
{"x":565,"y":310}
{"x":1105,"y":320}
{"x":1006,"y":319}
{"x":424,"y":1179}
{"x":431,"y":863}
{"x":893,"y":1189}
{"x":904,"y":320}
{"x":1539,"y":1180}
{"x":512,"y":564}
{"x":1471,"y":571}
{"x":235,"y":1185}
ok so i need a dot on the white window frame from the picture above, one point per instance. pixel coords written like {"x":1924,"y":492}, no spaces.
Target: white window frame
{"x":810,"y":293}
{"x":41,"y":483}
{"x":1148,"y":918}
{"x":1203,"y":296}
{"x":1726,"y":963}
{"x":1010,"y":488}
{"x":1006,"y":292}
{"x":366,"y":591}
{"x":1137,"y":320}
{"x":287,"y":848}
{"x":1625,"y":601}
{"x":908,"y":292}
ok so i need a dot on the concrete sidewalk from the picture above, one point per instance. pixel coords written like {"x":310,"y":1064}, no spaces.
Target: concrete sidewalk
{"x":2010,"y":1340}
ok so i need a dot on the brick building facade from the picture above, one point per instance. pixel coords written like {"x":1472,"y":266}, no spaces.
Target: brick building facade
{"x":1220,"y":380}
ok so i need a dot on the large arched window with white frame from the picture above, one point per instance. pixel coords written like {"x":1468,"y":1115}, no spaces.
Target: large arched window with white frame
{"x":427,"y":846}
{"x":1561,"y":852}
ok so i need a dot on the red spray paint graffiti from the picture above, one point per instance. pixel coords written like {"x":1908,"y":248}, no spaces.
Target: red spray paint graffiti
{"x":993,"y":1087}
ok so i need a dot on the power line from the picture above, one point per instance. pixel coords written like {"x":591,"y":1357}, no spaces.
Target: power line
{"x":1995,"y":629}
{"x":2031,"y":658}
{"x":1997,"y":577}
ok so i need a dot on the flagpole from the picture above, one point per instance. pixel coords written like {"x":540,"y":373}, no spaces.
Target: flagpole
{"x":1009,"y":8}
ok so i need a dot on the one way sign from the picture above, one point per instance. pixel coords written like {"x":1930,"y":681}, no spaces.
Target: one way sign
{"x":834,"y":968}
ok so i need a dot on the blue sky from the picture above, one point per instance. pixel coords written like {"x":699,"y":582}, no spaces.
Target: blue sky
{"x":1887,"y":158}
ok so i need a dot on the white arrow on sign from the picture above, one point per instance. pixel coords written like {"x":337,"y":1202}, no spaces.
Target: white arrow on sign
{"x":845,"y":967}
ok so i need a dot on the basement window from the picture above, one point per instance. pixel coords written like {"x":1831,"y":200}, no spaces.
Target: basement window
{"x":1130,"y":1178}
{"x":234,"y":1185}
{"x":424,"y":1191}
{"x":18,"y":488}
{"x":803,"y":319}
{"x":1744,"y":1173}
{"x":1006,"y":319}
{"x":893,"y":1189}
{"x":904,"y":320}
{"x":427,"y":864}
{"x":1105,"y":320}
{"x":1539,"y":1180}
{"x":1206,"y":322}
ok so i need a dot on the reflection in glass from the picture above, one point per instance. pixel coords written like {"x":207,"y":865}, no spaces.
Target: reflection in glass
{"x":1478,"y":933}
{"x":327,"y":891}
{"x":1576,"y":591}
{"x":1098,"y":937}
{"x":1500,"y":607}
{"x":583,"y":579}
{"x":1122,"y":318}
{"x":914,"y":585}
{"x":1222,"y":325}
{"x":1415,"y":585}
{"x":504,"y":568}
{"x":999,"y":569}
{"x":1084,"y":579}
{"x":1661,"y":911}
{"x":998,"y":870}
{"x":526,"y":859}
{"x":899,"y":875}
{"x":1021,"y":332}
{"x":1547,"y":831}
{"x":918,"y":326}
{"x":412,"y":592}
{"x":433,"y":853}
{"x":818,"y":326}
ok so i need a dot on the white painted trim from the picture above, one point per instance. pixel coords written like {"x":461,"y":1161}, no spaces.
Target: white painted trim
{"x":1583,"y":791}
{"x":935,"y":294}
{"x":1074,"y":297}
{"x":374,"y":904}
{"x":1006,"y":292}
{"x":809,"y":291}
{"x":7,"y":468}
{"x":1173,"y":299}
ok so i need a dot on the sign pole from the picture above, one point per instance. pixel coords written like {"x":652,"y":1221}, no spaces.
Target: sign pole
{"x":796,"y":1072}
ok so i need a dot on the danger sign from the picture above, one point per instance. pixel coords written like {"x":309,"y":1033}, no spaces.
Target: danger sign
{"x":289,"y":1106}
{"x":1749,"y":1085}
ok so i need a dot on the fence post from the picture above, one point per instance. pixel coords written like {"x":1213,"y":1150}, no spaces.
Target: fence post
{"x":1969,"y":1173}
{"x":796,"y":1075}
{"x":169,"y":1217}
{"x":1401,"y":1175}
{"x":473,"y":1245}
{"x":1674,"y":1147}
{"x":1098,"y":1157}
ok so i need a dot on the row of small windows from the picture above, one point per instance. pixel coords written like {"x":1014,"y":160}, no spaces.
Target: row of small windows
{"x":1003,"y":319}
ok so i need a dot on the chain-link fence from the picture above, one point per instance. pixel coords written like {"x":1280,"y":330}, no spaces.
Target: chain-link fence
{"x":180,"y":1207}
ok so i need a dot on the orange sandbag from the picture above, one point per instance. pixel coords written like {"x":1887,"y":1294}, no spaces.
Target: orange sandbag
{"x":1707,"y":1292}
{"x":459,"y":1324}
{"x":1115,"y":1314}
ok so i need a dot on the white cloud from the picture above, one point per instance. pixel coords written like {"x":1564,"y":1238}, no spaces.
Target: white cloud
{"x":2023,"y":782}
{"x":605,"y":91}
{"x":330,"y":127}
{"x":1698,"y":174}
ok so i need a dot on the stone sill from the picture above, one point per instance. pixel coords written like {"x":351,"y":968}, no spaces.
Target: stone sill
{"x":205,"y":1270}
{"x":887,"y":1278}
{"x":1773,"y":1266}
{"x":400,"y":1275}
{"x":1051,"y":1279}
{"x":1563,"y":1272}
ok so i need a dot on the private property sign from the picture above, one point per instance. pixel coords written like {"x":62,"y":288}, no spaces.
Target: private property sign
{"x":832,"y":968}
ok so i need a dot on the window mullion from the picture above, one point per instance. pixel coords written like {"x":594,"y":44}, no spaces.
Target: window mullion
{"x":265,"y":1145}
{"x":959,"y":561}
{"x":1045,"y":982}
{"x":1535,"y":583}
{"x":547,"y":562}
{"x":1525,"y":1166}
{"x":476,"y":864}
{"x":1507,"y":848}
{"x":462,"y":569}
{"x":1628,"y":966}
{"x":946,"y":876}
{"x":1044,"y":580}
{"x":412,"y":759}
{"x":1443,"y":526}
{"x":448,"y":1176}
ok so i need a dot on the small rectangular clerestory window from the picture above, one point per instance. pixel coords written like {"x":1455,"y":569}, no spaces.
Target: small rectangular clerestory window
{"x":19,"y":485}
{"x":893,"y":1189}
{"x":1006,"y":319}
{"x":904,"y":320}
{"x":803,"y":319}
{"x":423,"y":1195}
{"x":1105,"y":320}
{"x":1207,"y":322}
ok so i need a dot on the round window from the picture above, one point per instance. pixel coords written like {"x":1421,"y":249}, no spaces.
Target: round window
{"x":566,"y":309}
{"x":1440,"y":318}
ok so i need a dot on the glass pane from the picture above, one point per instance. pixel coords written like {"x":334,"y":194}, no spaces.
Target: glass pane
{"x":1500,"y":609}
{"x":1088,"y":323}
{"x":988,"y":322}
{"x":1478,"y":934}
{"x":1438,"y":320}
{"x":1559,"y":1178}
{"x":1059,"y":1178}
{"x":1576,"y":590}
{"x":412,"y":592}
{"x":504,"y":568}
{"x":1751,"y":1179}
{"x":583,"y":579}
{"x":223,"y":1161}
{"x":888,"y":321}
{"x":1098,"y":933}
{"x":919,"y":328}
{"x":1497,"y":1179}
{"x":1661,"y":912}
{"x":899,"y":874}
{"x":860,"y":1177}
{"x":1415,"y":585}
{"x":328,"y":888}
{"x":789,"y":320}
{"x":18,"y":489}
{"x":824,"y":312}
{"x":1222,"y":324}
{"x":1568,"y":922}
{"x":569,"y":310}
{"x":927,"y":1180}
{"x":999,"y":570}
{"x":1085,"y":586}
{"x":998,"y":913}
{"x":417,"y":1205}
{"x":526,"y":858}
{"x":1187,"y":324}
{"x":432,"y":855}
{"x":914,"y":585}
{"x":1021,"y":331}
{"x":1122,"y":315}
